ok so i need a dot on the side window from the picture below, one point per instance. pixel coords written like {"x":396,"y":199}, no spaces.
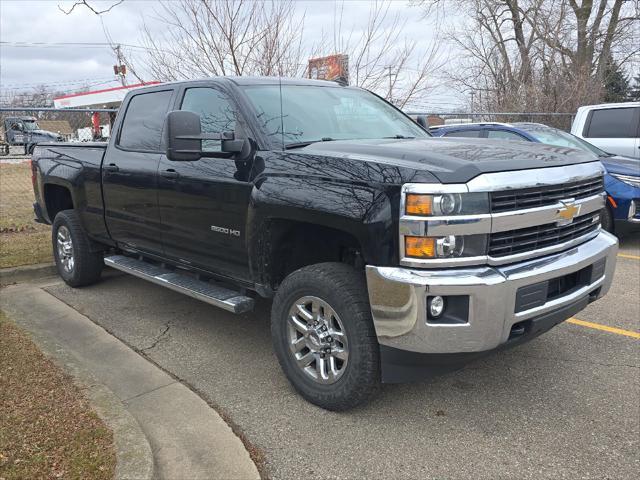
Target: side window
{"x":217,"y":113}
{"x":611,"y":123}
{"x":504,"y":135}
{"x":143,"y":121}
{"x":464,"y":133}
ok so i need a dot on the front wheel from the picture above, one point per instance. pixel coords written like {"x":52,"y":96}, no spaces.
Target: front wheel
{"x":323,"y":336}
{"x":77,"y":264}
{"x":606,"y":219}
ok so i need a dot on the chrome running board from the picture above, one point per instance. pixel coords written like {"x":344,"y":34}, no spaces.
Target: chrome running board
{"x":225,"y":298}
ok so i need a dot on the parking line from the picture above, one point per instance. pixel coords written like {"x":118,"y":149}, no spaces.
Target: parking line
{"x":625,"y":255}
{"x":606,"y":328}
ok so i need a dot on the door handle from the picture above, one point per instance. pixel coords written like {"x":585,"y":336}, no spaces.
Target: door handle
{"x":170,"y":173}
{"x":112,"y":167}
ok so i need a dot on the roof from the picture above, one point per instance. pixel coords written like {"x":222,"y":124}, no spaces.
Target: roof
{"x":243,"y":81}
{"x":471,"y":124}
{"x":610,"y":105}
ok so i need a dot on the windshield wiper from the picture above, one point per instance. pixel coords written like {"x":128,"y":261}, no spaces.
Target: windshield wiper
{"x":305,"y":144}
{"x":398,"y":136}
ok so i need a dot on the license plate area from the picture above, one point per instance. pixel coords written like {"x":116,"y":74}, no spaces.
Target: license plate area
{"x":537,"y":294}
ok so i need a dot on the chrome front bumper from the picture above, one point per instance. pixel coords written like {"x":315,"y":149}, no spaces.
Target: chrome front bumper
{"x":398,"y":298}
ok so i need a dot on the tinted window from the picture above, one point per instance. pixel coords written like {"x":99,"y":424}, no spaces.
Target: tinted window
{"x":143,"y":121}
{"x":312,"y":113}
{"x":217,"y":113}
{"x":504,"y":135}
{"x":464,"y":133}
{"x":612,"y":123}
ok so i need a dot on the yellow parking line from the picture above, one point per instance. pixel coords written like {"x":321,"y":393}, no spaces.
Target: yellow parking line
{"x":625,"y":255}
{"x":598,"y":326}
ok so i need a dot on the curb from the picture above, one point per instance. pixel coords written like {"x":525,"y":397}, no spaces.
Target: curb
{"x":25,"y":273}
{"x":184,"y":436}
{"x":134,"y":458}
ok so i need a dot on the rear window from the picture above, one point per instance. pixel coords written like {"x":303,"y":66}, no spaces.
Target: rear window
{"x":464,"y":133}
{"x":612,"y":123}
{"x":143,"y":121}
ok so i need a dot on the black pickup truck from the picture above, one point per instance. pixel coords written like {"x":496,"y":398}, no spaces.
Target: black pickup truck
{"x":390,"y":255}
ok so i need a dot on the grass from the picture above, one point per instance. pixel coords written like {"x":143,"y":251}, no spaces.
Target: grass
{"x":22,"y":240}
{"x":47,"y":428}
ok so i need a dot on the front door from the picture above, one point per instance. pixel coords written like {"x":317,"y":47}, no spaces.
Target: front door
{"x":130,"y":174}
{"x":203,"y":204}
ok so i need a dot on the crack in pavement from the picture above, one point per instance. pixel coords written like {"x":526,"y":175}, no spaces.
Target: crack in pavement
{"x":158,"y":338}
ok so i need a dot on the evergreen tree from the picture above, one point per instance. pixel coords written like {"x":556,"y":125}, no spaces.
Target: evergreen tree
{"x":616,"y":83}
{"x":634,"y":92}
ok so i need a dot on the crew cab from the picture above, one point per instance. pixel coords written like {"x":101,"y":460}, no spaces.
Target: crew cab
{"x":390,"y":255}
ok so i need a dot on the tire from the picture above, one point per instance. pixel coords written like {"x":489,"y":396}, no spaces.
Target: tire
{"x":606,"y":219}
{"x":76,"y":263}
{"x":355,"y":355}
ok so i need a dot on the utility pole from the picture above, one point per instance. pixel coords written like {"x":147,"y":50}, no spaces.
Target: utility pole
{"x":120,"y":69}
{"x":473,"y":94}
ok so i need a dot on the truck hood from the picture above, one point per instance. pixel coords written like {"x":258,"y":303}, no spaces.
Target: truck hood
{"x":622,"y":165}
{"x":452,"y":160}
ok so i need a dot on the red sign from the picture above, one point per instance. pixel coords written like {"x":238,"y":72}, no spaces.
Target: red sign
{"x":333,"y":67}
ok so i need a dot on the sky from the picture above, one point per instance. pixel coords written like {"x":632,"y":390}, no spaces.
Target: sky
{"x":38,"y":40}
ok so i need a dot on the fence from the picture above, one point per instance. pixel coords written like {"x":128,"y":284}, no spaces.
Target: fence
{"x":22,"y":126}
{"x":559,"y":120}
{"x":22,"y":240}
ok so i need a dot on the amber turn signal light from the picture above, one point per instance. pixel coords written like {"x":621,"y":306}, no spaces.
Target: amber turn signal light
{"x":420,"y":247}
{"x":419,"y":204}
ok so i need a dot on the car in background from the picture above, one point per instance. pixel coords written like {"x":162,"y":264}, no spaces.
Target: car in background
{"x":25,"y":131}
{"x":614,"y":127}
{"x":622,"y":180}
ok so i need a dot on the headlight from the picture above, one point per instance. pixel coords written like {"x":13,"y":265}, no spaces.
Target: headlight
{"x":446,"y":204}
{"x":445,"y":247}
{"x":628,"y":179}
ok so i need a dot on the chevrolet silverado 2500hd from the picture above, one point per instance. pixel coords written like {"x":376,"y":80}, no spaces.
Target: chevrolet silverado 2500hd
{"x":390,"y":255}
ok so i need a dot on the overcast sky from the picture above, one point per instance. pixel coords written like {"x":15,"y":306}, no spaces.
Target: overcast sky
{"x":43,"y":28}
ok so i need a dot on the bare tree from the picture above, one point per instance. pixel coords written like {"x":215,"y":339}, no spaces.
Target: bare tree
{"x":540,"y":55}
{"x":382,"y":58}
{"x":85,"y":3}
{"x":223,"y":37}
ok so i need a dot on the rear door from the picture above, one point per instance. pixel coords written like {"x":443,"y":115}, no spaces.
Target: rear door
{"x":204,"y":204}
{"x":614,"y":130}
{"x":130,"y":173}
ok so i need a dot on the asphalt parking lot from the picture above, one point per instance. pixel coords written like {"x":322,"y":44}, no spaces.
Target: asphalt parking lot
{"x":564,"y":405}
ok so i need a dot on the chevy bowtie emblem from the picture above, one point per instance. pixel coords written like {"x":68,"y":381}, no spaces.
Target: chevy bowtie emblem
{"x":567,"y":212}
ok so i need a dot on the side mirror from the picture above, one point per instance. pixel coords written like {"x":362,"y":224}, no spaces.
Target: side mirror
{"x":184,"y":139}
{"x":183,"y":131}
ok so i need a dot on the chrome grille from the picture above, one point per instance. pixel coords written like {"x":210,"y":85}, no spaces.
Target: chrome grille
{"x":533,"y":238}
{"x":507,"y":200}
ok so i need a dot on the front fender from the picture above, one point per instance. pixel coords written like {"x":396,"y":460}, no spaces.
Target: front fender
{"x":360,"y":210}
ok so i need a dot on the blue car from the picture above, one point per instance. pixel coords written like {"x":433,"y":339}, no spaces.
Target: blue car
{"x":622,"y":180}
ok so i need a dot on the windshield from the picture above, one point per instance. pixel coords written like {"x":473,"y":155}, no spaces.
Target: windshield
{"x":315,"y":113}
{"x":553,"y":136}
{"x":30,"y":125}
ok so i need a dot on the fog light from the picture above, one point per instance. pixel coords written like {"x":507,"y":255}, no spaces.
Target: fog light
{"x":436,"y":306}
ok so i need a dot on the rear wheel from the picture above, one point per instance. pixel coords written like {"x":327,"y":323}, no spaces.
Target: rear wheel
{"x":323,"y":335}
{"x":77,"y":264}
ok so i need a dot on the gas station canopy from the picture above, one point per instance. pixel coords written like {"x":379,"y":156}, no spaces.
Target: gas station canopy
{"x":105,"y":98}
